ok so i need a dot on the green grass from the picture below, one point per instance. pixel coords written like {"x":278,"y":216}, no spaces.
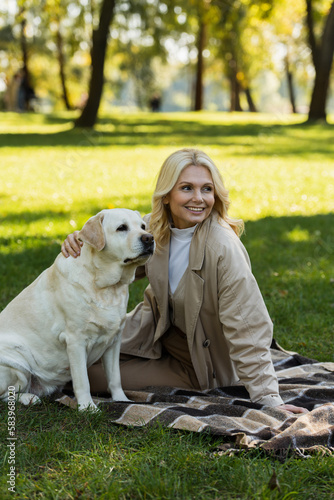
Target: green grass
{"x":280,"y":174}
{"x":62,"y":454}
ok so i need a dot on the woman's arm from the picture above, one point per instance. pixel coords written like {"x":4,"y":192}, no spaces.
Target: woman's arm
{"x":247,"y":327}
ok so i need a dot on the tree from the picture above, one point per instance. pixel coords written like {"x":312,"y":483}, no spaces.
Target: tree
{"x":61,"y":61}
{"x":22,"y":20}
{"x":55,"y":11}
{"x":235,"y":31}
{"x":203,"y":13}
{"x":322,"y":56}
{"x":201,"y":38}
{"x":142,"y":31}
{"x":98,"y":52}
{"x":291,"y":88}
{"x":26,"y":9}
{"x":138,"y":33}
{"x":289,"y":35}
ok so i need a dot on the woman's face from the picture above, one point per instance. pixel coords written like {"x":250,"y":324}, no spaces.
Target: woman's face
{"x":192,"y":198}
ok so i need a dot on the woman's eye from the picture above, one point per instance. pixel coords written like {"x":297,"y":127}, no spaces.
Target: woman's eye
{"x":186,"y":188}
{"x":123,"y":227}
{"x":208,"y":189}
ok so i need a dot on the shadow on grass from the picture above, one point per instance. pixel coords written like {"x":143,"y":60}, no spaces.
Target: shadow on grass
{"x":58,"y":119}
{"x":83,"y":211}
{"x":146,"y":130}
{"x":21,"y":265}
{"x":297,"y":234}
{"x":30,"y":216}
{"x":292,"y":260}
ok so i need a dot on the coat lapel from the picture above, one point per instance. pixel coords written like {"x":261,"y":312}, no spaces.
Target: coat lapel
{"x":157,"y":273}
{"x":195,"y":283}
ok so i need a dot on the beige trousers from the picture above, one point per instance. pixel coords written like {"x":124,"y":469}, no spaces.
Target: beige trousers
{"x":173,"y":369}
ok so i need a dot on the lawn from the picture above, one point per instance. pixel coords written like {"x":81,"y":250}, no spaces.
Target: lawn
{"x":280,"y":174}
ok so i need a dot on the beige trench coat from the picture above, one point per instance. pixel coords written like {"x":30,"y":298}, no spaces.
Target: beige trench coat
{"x":228,"y":327}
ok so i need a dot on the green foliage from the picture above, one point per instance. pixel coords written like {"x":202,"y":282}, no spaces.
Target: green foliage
{"x":280,"y":174}
{"x":144,"y":35}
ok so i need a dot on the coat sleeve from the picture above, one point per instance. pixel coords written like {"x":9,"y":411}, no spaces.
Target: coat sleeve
{"x":246,"y":324}
{"x":141,"y":270}
{"x":139,"y":329}
{"x":140,"y":273}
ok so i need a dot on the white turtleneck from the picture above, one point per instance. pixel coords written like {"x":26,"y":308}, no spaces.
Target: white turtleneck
{"x":179,"y":254}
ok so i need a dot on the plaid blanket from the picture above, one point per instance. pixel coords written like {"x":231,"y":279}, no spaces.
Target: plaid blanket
{"x":229,"y":413}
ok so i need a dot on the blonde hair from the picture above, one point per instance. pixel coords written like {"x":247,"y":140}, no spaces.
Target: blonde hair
{"x":167,"y":178}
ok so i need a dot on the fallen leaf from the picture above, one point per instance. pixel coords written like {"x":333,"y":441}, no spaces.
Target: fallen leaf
{"x":273,"y":482}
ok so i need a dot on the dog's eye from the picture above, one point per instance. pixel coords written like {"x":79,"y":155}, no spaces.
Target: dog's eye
{"x":143,"y":226}
{"x":122,"y":227}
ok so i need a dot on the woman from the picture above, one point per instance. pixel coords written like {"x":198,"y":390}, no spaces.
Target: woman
{"x":203,"y":322}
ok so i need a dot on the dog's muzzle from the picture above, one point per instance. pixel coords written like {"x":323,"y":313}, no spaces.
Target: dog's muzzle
{"x":147,"y":241}
{"x":148,"y":245}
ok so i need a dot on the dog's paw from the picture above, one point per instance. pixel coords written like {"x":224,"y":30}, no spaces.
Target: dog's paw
{"x":29,"y":399}
{"x":90,"y":406}
{"x":120,"y":397}
{"x":125,"y":400}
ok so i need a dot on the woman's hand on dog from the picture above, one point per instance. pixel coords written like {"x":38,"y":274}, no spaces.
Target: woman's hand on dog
{"x":72,"y":245}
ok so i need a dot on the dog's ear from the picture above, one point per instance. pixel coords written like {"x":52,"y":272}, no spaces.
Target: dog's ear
{"x":92,"y":232}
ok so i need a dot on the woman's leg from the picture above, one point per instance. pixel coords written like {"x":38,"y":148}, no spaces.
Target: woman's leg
{"x":173,"y":369}
{"x":138,"y":373}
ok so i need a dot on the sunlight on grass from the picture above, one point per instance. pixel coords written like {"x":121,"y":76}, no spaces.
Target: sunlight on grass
{"x":298,"y":234}
{"x":268,"y":170}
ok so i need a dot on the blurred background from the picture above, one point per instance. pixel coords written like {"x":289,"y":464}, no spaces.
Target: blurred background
{"x":173,"y":55}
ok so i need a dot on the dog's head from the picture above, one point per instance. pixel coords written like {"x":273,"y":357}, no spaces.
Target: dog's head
{"x":120,"y":234}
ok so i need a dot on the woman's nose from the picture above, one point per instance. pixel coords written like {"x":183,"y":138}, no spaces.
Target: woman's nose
{"x":198,"y":196}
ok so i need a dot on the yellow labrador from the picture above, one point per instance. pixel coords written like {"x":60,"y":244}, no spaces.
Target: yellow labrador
{"x":74,"y":312}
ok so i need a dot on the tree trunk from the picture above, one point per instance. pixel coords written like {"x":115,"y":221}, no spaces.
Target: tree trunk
{"x":310,"y":33}
{"x":198,"y":104}
{"x":251,"y":104}
{"x":235,"y":95}
{"x":24,"y":92}
{"x":235,"y":104}
{"x":59,"y":40}
{"x":24,"y":47}
{"x":291,"y":89}
{"x":99,"y":47}
{"x":322,"y":55}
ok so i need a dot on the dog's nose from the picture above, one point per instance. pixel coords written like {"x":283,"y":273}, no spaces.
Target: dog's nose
{"x":147,"y":239}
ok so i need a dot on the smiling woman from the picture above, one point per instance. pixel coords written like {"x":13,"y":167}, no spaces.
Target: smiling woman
{"x":192,"y":198}
{"x":188,"y":171}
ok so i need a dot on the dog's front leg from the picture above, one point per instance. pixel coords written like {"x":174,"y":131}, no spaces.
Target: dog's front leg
{"x":78,"y":364}
{"x":110,"y":360}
